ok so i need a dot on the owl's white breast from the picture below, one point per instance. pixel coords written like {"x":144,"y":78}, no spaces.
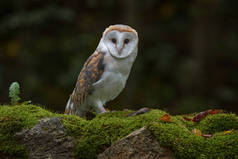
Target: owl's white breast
{"x":114,"y":78}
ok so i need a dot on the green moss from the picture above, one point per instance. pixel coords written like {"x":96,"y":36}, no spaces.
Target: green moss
{"x":222,"y":146}
{"x":13,"y":119}
{"x":93,"y":136}
{"x":220,"y":122}
{"x":178,"y":136}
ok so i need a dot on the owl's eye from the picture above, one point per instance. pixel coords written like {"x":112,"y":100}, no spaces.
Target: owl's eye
{"x":114,"y":40}
{"x":126,"y":41}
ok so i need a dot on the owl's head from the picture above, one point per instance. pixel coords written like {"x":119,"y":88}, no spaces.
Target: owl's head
{"x":120,"y":40}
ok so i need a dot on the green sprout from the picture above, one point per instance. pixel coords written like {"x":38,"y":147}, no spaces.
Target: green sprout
{"x":14,"y":91}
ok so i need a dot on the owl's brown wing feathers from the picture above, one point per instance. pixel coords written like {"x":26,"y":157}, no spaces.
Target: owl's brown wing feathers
{"x":91,"y":73}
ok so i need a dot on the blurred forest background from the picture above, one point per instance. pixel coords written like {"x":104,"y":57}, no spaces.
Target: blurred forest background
{"x":187,"y":60}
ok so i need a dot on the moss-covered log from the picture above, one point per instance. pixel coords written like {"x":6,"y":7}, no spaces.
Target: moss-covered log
{"x":93,"y":136}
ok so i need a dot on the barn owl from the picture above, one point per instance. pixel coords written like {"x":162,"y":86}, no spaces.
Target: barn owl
{"x":105,"y":73}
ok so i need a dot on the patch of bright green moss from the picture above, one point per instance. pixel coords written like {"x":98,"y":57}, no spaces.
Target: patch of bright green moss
{"x":177,"y":135}
{"x":93,"y":136}
{"x":13,"y":119}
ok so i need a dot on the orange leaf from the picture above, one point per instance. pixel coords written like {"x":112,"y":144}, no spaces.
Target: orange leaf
{"x":197,"y":132}
{"x":166,"y":118}
{"x":186,"y":118}
{"x":108,"y":110}
{"x":214,"y":111}
{"x":227,"y":132}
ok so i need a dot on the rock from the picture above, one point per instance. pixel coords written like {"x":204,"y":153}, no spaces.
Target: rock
{"x":140,"y":111}
{"x":140,"y":144}
{"x":47,"y":139}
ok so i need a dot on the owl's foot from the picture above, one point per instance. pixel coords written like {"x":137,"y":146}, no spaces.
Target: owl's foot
{"x":100,"y":109}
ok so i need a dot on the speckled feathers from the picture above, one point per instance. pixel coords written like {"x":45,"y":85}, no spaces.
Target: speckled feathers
{"x":91,"y":73}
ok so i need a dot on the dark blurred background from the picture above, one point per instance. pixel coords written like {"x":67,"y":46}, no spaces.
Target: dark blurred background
{"x":187,"y":60}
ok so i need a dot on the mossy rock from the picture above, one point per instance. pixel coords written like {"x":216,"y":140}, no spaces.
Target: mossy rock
{"x":93,"y":136}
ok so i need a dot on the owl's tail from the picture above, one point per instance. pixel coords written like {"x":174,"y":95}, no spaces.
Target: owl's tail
{"x":70,"y":107}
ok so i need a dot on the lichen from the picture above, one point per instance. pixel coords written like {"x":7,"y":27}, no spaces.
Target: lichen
{"x":93,"y":136}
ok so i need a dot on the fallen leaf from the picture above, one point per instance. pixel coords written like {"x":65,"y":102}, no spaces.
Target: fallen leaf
{"x":186,"y":118}
{"x":207,"y":135}
{"x":140,"y":111}
{"x":227,"y":132}
{"x":200,"y":116}
{"x":166,"y":117}
{"x":108,"y":110}
{"x":214,"y":111}
{"x":197,"y":132}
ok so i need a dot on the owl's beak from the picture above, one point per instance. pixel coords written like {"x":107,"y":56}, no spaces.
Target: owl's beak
{"x":119,"y":52}
{"x":119,"y":49}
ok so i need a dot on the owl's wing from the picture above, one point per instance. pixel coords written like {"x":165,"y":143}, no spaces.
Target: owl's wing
{"x":91,"y":73}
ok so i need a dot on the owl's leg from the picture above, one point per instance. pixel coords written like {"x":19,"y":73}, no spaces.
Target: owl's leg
{"x":82,"y":109}
{"x":81,"y":113}
{"x":98,"y":106}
